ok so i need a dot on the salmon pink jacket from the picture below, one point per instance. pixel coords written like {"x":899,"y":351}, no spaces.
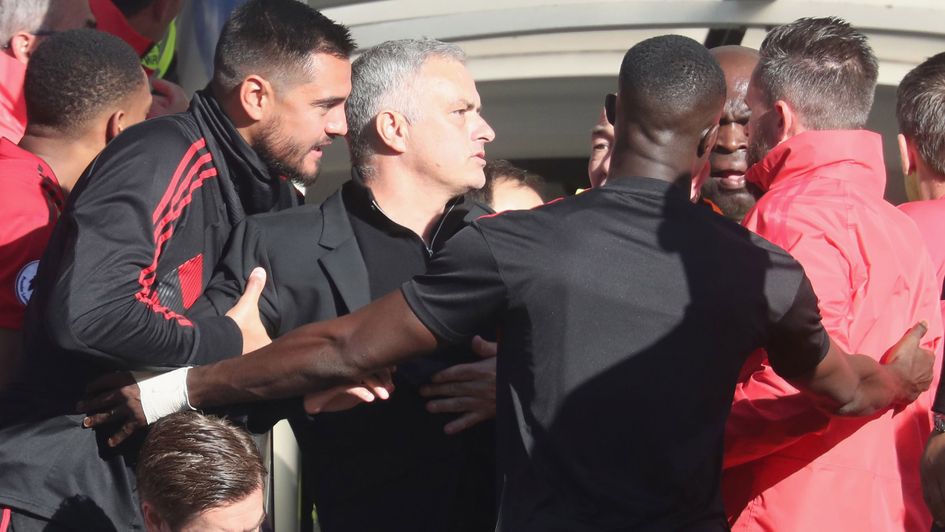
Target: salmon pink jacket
{"x":790,"y":467}
{"x":12,"y":103}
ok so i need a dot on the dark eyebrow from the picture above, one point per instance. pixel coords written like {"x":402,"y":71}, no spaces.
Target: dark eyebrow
{"x":599,"y":130}
{"x":331,"y":101}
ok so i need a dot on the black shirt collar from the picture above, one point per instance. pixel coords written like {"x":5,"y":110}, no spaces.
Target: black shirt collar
{"x":647,"y":185}
{"x":360,"y":202}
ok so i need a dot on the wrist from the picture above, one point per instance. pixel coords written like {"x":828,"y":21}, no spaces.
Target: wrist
{"x":163,"y":394}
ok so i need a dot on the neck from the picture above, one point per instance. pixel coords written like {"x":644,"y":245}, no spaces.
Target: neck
{"x":933,"y":188}
{"x":409,"y":201}
{"x":646,"y":159}
{"x":68,"y":157}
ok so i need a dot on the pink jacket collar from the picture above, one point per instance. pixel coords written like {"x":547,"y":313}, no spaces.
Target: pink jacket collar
{"x":856,"y":155}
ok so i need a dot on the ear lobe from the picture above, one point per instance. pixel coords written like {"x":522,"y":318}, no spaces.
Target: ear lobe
{"x":906,"y":155}
{"x":392,"y":130}
{"x":256,"y":96}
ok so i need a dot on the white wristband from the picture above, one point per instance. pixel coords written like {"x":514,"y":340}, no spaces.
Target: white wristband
{"x":163,"y":394}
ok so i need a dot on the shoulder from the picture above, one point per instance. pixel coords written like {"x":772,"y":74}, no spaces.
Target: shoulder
{"x":301,"y":219}
{"x":157,"y":135}
{"x":924,"y":211}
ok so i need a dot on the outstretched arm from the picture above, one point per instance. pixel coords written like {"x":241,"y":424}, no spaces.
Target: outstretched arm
{"x":316,"y":356}
{"x":858,"y":385}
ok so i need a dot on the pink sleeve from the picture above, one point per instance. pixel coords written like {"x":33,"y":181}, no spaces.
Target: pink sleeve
{"x":23,"y":237}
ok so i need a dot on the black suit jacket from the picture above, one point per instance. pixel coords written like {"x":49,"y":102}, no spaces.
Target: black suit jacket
{"x":371,"y":467}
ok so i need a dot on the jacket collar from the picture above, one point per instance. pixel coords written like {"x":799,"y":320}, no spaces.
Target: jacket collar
{"x":342,"y":262}
{"x":336,"y":228}
{"x":110,"y":19}
{"x":257,"y":190}
{"x":852,"y":155}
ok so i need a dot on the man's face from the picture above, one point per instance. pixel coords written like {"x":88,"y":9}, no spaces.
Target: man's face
{"x":446,"y":143}
{"x":245,"y":515}
{"x":602,"y":145}
{"x":305,"y":117}
{"x":512,"y":195}
{"x":762,"y":126}
{"x":729,"y":159}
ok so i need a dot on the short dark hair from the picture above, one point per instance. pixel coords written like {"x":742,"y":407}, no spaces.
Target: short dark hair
{"x":824,"y":68}
{"x":76,"y":74}
{"x":275,"y":38}
{"x":190,"y":463}
{"x":671,"y":82}
{"x":920,"y":110}
{"x":502,"y":170}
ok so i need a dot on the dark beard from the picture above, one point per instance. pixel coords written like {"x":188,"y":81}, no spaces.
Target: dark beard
{"x":282,"y":158}
{"x":734,"y":204}
{"x":758,"y":147}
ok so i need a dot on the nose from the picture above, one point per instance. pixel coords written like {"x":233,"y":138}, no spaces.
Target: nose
{"x":485,"y":131}
{"x":337,"y":124}
{"x":732,"y":137}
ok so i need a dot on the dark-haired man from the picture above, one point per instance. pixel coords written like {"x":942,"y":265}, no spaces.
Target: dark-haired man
{"x":566,"y":373}
{"x":726,"y":186}
{"x":920,"y":111}
{"x":199,"y":473}
{"x":24,"y":24}
{"x":824,"y":179}
{"x":137,"y":242}
{"x":81,"y":90}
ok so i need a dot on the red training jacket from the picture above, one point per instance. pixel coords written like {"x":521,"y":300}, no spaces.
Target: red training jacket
{"x":789,"y":466}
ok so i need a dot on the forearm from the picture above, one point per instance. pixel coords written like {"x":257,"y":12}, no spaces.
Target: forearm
{"x":304,"y":360}
{"x":316,"y":356}
{"x":877,"y":389}
{"x":858,"y":386}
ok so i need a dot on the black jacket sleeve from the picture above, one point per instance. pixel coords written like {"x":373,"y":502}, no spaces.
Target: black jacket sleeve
{"x":245,"y":250}
{"x":102,"y":302}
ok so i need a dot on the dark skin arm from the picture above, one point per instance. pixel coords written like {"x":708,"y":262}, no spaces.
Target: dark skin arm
{"x":858,"y":385}
{"x":316,"y":356}
{"x":325,"y":355}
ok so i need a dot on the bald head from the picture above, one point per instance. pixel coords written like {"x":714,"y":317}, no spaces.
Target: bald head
{"x":726,"y":185}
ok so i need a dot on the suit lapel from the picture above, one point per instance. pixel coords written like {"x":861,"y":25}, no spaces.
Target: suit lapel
{"x":342,"y":262}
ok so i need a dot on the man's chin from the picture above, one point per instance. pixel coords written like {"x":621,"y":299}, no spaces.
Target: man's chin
{"x":733,"y":203}
{"x":305,"y":180}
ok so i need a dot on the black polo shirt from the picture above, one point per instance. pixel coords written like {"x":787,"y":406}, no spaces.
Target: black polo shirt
{"x":393,"y":253}
{"x":627,"y":313}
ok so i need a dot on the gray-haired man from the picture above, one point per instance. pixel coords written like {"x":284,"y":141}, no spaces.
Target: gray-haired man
{"x":417,"y":142}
